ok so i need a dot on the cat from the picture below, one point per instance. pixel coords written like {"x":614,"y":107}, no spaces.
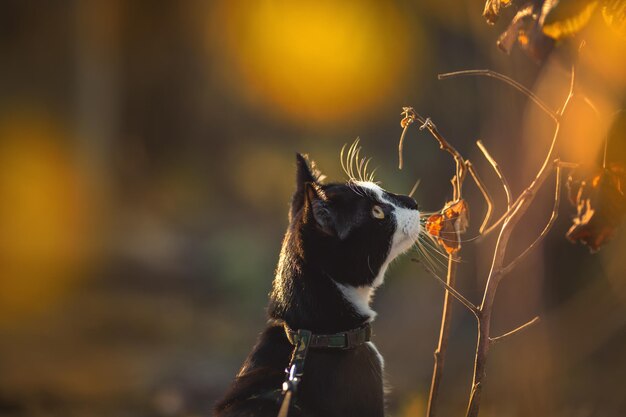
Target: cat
{"x":340,"y":240}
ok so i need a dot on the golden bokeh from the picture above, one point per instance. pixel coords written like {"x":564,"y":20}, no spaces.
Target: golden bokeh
{"x":43,"y":214}
{"x":314,"y":61}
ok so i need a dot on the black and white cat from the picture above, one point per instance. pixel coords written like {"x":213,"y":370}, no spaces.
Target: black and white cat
{"x":339,"y":243}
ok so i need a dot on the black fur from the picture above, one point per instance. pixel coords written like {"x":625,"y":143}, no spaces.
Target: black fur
{"x":331,"y":236}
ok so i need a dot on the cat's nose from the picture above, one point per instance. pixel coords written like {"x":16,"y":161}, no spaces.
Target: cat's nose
{"x":408,"y":202}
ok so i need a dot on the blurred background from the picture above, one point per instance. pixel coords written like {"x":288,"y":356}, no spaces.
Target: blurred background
{"x":146,"y":164}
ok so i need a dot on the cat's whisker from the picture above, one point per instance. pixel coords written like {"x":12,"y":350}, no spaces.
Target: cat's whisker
{"x":355,"y":160}
{"x":363,"y":167}
{"x":347,"y":161}
{"x":351,"y":155}
{"x":434,"y":245}
{"x":433,"y":242}
{"x":358,"y":161}
{"x":356,"y":167}
{"x":423,"y":256}
{"x":471,"y":239}
{"x":367,"y":177}
{"x":429,"y":270}
{"x":354,"y":187}
{"x":429,"y":259}
{"x":359,"y":166}
{"x":433,"y":249}
{"x":443,"y":255}
{"x":435,"y":253}
{"x":424,"y":215}
{"x":371,"y":177}
{"x":341,"y":159}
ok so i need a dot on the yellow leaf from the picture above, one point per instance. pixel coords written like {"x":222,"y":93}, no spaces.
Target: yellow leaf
{"x":614,"y":13}
{"x":570,"y":25}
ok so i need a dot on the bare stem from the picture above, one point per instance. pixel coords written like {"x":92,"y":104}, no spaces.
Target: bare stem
{"x":514,"y":331}
{"x":514,"y":212}
{"x":483,"y":189}
{"x":467,"y":303}
{"x":496,"y":224}
{"x":461,"y":167}
{"x":546,"y":229}
{"x":496,"y":168}
{"x":563,"y":164}
{"x":401,"y":144}
{"x":496,"y":272}
{"x":444,"y":335}
{"x":410,"y":116}
{"x":510,"y":81}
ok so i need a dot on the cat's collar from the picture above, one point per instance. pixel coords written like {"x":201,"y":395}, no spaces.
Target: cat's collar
{"x":349,"y":339}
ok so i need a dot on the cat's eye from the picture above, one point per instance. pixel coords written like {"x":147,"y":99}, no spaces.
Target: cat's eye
{"x":378,"y":213}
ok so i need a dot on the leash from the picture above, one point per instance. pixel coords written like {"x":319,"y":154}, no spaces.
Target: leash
{"x":295,"y":369}
{"x":302,"y":340}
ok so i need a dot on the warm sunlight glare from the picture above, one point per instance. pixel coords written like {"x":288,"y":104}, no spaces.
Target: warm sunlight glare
{"x":43,"y":214}
{"x":316,"y":61}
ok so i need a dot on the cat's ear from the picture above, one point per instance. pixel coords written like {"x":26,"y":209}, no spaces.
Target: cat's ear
{"x":305,"y":173}
{"x":317,"y":209}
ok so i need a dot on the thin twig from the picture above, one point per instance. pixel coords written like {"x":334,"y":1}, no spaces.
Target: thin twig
{"x":498,"y":222}
{"x":520,"y":206}
{"x":519,"y":329}
{"x":444,"y":336}
{"x":445,"y":145}
{"x":496,"y":168}
{"x":401,"y":145}
{"x":410,"y":116}
{"x":546,"y":229}
{"x":483,"y":189}
{"x":495,"y":273}
{"x":467,"y":303}
{"x":510,"y":81}
{"x":417,"y":183}
{"x":495,"y":225}
{"x":564,"y":164}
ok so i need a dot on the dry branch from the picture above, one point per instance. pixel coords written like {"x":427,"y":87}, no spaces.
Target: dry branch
{"x":514,"y":331}
{"x":485,"y":193}
{"x":444,"y":336}
{"x":496,"y":168}
{"x":497,"y":271}
{"x":462,"y":167}
{"x":449,"y":289}
{"x":516,"y":208}
{"x":510,"y":81}
{"x":548,"y":226}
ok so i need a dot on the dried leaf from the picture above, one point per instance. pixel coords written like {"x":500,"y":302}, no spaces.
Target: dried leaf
{"x":539,"y":24}
{"x":569,"y":23}
{"x":600,"y":204}
{"x":526,"y":29}
{"x":409,"y":116}
{"x":492,"y":9}
{"x":614,"y":13}
{"x":448,"y":225}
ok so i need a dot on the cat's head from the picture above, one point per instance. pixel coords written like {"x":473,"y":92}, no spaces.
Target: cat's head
{"x":351,"y":230}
